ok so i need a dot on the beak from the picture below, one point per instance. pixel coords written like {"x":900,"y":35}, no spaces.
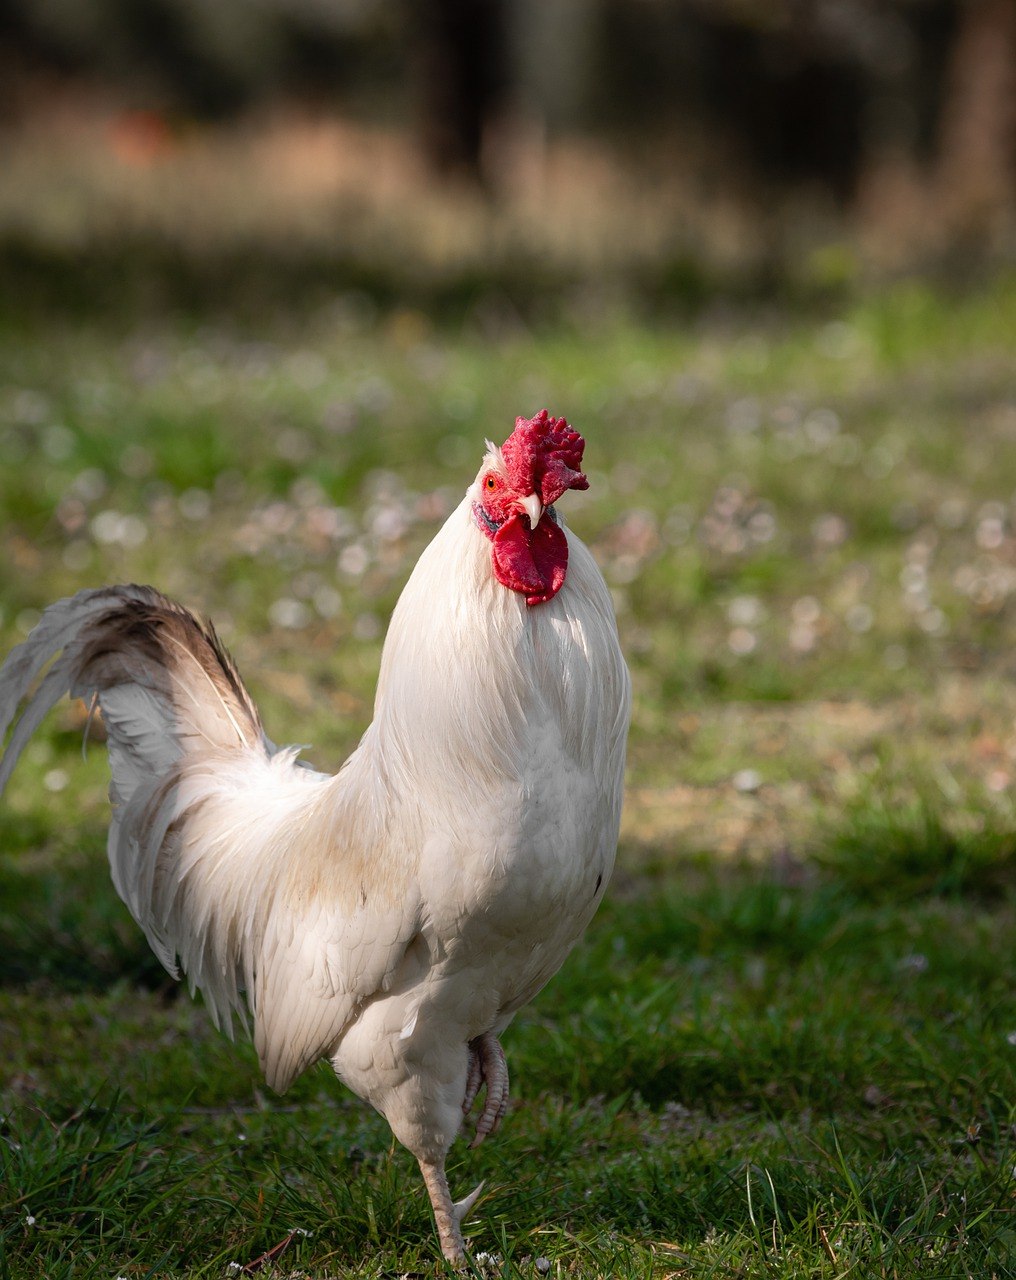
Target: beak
{"x":533,"y":508}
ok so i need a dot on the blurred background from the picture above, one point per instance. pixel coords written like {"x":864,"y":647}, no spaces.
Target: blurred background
{"x":656,"y":151}
{"x":270,"y":271}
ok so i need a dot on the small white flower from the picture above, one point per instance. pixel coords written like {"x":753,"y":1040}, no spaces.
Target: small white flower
{"x":354,"y":559}
{"x":113,"y":528}
{"x":806,"y":611}
{"x":289,"y":614}
{"x":802,"y":638}
{"x":860,"y":618}
{"x":933,"y":621}
{"x":327,"y":602}
{"x":744,"y":611}
{"x":742,"y":641}
{"x":29,"y":1220}
{"x":747,"y":781}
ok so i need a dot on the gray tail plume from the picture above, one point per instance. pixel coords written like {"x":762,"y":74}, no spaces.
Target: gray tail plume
{"x":159,"y":674}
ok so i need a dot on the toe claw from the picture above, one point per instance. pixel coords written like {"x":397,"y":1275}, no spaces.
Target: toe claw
{"x":490,"y":1057}
{"x":474,"y":1079}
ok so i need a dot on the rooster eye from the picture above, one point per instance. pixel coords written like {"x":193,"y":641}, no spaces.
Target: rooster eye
{"x":490,"y":484}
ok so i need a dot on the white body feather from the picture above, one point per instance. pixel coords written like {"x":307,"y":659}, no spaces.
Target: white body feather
{"x":386,"y":916}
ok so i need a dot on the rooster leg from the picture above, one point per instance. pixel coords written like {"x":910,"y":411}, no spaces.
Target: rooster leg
{"x":448,"y":1214}
{"x":487,"y":1052}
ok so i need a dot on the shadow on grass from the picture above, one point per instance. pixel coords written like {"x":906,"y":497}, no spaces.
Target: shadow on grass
{"x":902,"y":847}
{"x":67,"y":926}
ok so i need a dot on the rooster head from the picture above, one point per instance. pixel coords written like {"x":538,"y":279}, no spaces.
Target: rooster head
{"x":513,"y":498}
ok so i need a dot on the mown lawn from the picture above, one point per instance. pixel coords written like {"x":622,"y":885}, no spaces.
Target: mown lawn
{"x":788,"y":1046}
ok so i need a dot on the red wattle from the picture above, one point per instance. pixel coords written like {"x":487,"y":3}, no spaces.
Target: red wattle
{"x":532,"y":562}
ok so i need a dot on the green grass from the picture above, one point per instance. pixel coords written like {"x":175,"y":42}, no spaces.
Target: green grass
{"x":732,"y":1073}
{"x":787,"y":1047}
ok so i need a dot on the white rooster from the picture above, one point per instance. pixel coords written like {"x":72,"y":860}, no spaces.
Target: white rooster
{"x":392,"y":918}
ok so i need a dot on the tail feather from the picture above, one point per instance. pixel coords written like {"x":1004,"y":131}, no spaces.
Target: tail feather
{"x":49,"y":693}
{"x":148,"y":642}
{"x":128,"y":637}
{"x":182,"y":733}
{"x":58,"y":628}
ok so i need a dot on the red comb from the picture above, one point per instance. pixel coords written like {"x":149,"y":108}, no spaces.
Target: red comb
{"x":544,"y":455}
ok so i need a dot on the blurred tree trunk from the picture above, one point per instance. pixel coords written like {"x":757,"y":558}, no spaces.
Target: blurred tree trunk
{"x":459,"y":57}
{"x":553,"y":51}
{"x":977,"y":133}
